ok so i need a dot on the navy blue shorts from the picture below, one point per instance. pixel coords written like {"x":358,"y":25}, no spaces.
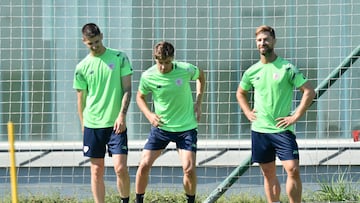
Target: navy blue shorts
{"x":159,"y":139}
{"x":265,"y":146}
{"x":96,"y":141}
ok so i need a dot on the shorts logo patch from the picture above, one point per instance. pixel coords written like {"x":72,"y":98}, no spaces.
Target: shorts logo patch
{"x":295,"y":152}
{"x":86,"y":148}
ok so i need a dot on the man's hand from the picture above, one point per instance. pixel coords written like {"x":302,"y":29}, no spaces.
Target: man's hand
{"x":120,"y":125}
{"x":251,"y":115}
{"x":155,"y":120}
{"x":284,"y":122}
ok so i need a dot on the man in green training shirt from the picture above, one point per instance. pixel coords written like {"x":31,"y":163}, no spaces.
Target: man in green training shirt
{"x":103,"y":83}
{"x":272,"y":132}
{"x":175,"y":118}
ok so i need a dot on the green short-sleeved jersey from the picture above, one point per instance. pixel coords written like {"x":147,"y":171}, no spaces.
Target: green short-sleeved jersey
{"x":172,"y":95}
{"x":100,"y":77}
{"x":273,"y":85}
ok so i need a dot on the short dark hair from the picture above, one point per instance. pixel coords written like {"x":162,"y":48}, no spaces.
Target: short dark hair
{"x":163,"y":50}
{"x":90,"y":30}
{"x":265,"y":28}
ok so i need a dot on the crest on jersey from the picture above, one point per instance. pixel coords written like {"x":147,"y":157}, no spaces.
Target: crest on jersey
{"x":179,"y":82}
{"x":276,"y":76}
{"x":111,"y":65}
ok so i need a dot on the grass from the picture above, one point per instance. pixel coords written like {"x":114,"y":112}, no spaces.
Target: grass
{"x":150,"y":197}
{"x":328,"y":193}
{"x":339,"y":188}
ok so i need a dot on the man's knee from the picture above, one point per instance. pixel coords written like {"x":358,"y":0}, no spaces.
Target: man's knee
{"x":189,"y":171}
{"x":144,"y":167}
{"x":121,"y":170}
{"x":293,"y":172}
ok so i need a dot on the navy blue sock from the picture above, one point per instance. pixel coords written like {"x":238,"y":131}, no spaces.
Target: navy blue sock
{"x":139,"y":198}
{"x":124,"y":200}
{"x":190,"y":198}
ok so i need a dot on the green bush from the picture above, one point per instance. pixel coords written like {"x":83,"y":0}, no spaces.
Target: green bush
{"x":340,"y":188}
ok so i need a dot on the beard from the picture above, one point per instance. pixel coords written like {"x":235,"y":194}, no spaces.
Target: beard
{"x":265,"y":51}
